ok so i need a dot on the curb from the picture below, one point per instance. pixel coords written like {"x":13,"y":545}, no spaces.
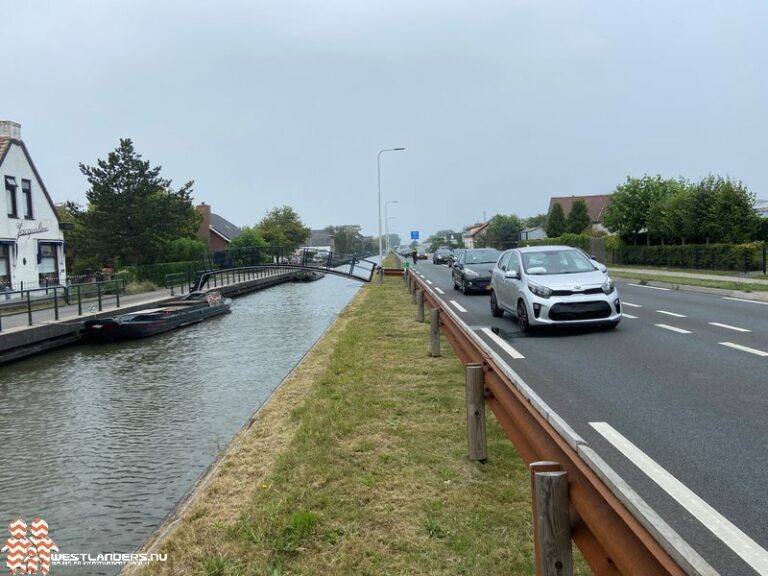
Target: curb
{"x":756,"y":296}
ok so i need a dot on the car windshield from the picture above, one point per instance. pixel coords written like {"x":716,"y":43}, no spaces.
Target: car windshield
{"x":481,"y":256}
{"x":556,"y":262}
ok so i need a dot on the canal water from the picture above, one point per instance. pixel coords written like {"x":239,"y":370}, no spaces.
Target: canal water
{"x":101,"y":441}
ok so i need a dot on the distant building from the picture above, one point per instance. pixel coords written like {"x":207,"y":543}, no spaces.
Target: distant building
{"x":534,"y":233}
{"x":470,"y":233}
{"x":596,"y":206}
{"x":216,"y":231}
{"x":762,"y":208}
{"x":31,"y":238}
{"x":320,"y":240}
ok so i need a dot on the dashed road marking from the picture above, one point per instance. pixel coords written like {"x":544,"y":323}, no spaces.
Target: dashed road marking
{"x":623,"y":315}
{"x":673,"y":329}
{"x":671,"y":314}
{"x":458,"y":306}
{"x":502,"y":344}
{"x":438,"y":290}
{"x":728,"y":327}
{"x":631,"y":305}
{"x":651,"y":287}
{"x":429,"y":281}
{"x":749,"y":550}
{"x":744,"y":348}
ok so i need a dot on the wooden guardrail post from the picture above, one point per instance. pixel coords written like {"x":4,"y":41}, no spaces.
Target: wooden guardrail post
{"x":405,"y":277}
{"x":420,"y":305}
{"x":551,"y":520}
{"x":413,"y":293}
{"x":475,"y":382}
{"x":434,"y":326}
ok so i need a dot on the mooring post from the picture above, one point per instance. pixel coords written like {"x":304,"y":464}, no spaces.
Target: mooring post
{"x":475,"y":381}
{"x":552,"y":528}
{"x":419,"y":305}
{"x":434,"y":325}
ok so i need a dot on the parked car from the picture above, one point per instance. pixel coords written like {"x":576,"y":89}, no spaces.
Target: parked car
{"x":553,"y":285}
{"x":441,"y":256}
{"x":472,"y":271}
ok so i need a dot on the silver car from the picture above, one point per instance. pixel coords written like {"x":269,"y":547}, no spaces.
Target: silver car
{"x":553,"y":285}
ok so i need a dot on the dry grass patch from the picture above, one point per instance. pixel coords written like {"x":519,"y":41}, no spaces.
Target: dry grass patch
{"x":358,"y":465}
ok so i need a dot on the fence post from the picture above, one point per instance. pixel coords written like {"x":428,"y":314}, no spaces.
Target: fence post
{"x":55,"y":303}
{"x":434,"y":324}
{"x":29,"y":307}
{"x":764,"y":255}
{"x":79,"y":302}
{"x":413,"y":294}
{"x":98,"y":291}
{"x":419,"y":305}
{"x":552,"y":528}
{"x":117,"y":293}
{"x":405,"y":277}
{"x":475,"y":382}
{"x":534,"y":468}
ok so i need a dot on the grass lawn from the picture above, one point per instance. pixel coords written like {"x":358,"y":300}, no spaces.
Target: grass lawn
{"x":685,"y":281}
{"x":358,"y":465}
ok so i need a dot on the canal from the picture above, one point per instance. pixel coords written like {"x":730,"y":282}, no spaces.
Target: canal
{"x":102,"y":441}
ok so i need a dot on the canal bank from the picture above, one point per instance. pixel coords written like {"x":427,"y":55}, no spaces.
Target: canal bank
{"x":358,"y":465}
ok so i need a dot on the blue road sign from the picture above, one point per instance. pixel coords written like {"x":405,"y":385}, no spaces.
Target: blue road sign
{"x":414,"y":234}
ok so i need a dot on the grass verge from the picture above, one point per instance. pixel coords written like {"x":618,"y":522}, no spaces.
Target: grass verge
{"x":685,"y":281}
{"x":358,"y":465}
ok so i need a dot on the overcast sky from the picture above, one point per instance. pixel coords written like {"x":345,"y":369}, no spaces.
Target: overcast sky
{"x":500,"y":105}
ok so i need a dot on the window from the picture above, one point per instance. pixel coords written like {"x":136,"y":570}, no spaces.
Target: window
{"x":5,"y":268}
{"x":47,"y":263}
{"x":10,"y":196}
{"x":26,"y":192}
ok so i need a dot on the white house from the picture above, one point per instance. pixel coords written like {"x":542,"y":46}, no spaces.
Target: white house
{"x":31,"y":241}
{"x":534,"y":233}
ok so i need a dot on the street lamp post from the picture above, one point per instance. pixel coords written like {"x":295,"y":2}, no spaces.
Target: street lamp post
{"x":386,"y":223}
{"x":378,"y":161}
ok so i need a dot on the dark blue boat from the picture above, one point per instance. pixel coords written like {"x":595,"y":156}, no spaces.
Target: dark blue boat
{"x":193,"y":308}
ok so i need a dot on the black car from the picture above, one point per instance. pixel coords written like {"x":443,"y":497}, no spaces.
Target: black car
{"x":472,"y":271}
{"x":441,"y":256}
{"x":455,"y":256}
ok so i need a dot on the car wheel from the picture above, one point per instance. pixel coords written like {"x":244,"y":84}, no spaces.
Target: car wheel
{"x":464,"y":289}
{"x":522,"y":317}
{"x":496,"y":312}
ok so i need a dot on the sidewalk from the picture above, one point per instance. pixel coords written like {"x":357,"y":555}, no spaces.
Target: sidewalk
{"x":699,"y":275}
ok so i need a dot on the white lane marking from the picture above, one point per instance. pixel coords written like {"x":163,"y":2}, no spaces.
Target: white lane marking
{"x":749,"y":550}
{"x":429,"y":281}
{"x":438,"y":290}
{"x":631,"y":305}
{"x":745,"y":300}
{"x":651,"y":287}
{"x":728,"y":327}
{"x":458,"y":306}
{"x":502,"y":344}
{"x":744,"y":348}
{"x":672,"y":314}
{"x":668,"y":327}
{"x":628,"y":316}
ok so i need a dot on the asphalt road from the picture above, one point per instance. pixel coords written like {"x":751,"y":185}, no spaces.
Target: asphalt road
{"x":683,"y":381}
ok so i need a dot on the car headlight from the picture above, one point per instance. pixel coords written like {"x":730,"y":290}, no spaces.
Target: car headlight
{"x":539,"y":290}
{"x":470,"y":273}
{"x":608,"y":286}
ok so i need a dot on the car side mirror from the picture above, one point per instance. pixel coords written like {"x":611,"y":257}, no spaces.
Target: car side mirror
{"x":602,"y":267}
{"x":511,"y":275}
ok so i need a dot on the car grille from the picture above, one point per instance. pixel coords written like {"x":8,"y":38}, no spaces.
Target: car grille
{"x":580,"y":311}
{"x":576,"y":293}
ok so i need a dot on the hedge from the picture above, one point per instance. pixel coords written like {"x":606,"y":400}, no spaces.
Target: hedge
{"x":710,"y":256}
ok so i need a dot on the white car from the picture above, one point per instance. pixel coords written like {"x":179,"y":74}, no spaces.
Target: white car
{"x":553,"y":285}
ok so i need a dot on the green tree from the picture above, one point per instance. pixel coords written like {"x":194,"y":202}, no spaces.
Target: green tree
{"x":282,"y":227}
{"x":502,"y":232}
{"x":132,"y":212}
{"x":71,"y":214}
{"x":578,"y":218}
{"x":349,"y":241}
{"x":184,"y":250}
{"x":555,"y":221}
{"x":248,"y":237}
{"x":447,"y":237}
{"x":538,"y":220}
{"x":630,"y":207}
{"x":733,"y":213}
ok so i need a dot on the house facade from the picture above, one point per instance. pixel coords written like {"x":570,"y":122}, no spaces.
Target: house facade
{"x":470,"y":233}
{"x":534,"y":233}
{"x":31,"y":240}
{"x":596,"y":206}
{"x":215,"y":231}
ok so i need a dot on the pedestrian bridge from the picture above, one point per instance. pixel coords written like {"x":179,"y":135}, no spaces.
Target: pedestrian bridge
{"x":242,"y":262}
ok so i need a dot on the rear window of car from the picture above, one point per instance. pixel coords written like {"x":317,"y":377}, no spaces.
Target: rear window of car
{"x":481,"y":256}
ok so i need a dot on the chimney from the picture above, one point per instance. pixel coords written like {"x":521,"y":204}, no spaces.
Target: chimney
{"x":204,"y":232}
{"x":10,"y":129}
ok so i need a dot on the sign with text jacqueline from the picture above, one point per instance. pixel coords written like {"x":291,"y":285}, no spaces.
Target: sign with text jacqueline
{"x":414,"y":234}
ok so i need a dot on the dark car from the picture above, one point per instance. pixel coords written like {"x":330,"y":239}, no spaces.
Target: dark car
{"x":455,"y":256}
{"x":441,"y":256}
{"x":472,"y":271}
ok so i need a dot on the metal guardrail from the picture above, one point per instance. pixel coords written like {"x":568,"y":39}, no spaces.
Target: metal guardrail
{"x":616,"y":531}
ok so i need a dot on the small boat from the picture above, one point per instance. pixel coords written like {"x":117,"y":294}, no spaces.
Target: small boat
{"x":193,"y":308}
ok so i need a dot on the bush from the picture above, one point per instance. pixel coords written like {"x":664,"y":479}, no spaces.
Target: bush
{"x":575,"y":240}
{"x":140,"y":287}
{"x":709,"y":256}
